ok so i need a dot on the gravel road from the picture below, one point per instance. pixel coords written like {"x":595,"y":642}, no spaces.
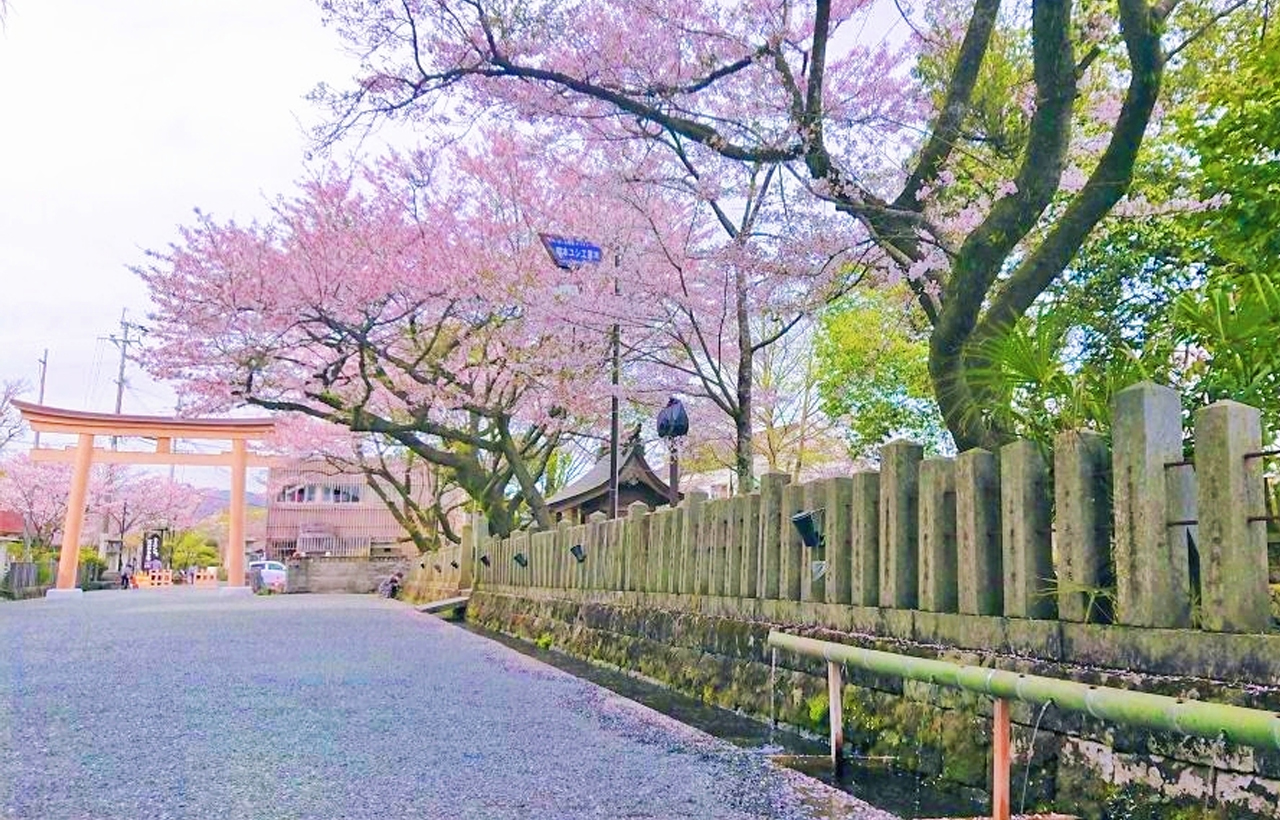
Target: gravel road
{"x":185,"y":704}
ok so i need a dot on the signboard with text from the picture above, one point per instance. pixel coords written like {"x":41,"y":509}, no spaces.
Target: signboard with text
{"x":567,"y":252}
{"x":151,"y":541}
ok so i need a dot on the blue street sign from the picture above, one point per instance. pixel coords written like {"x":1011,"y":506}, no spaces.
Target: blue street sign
{"x":567,"y":252}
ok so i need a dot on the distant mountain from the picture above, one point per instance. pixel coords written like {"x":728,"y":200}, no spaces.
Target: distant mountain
{"x":215,"y":501}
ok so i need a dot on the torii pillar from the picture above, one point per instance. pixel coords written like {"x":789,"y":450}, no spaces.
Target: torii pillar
{"x":163,"y":429}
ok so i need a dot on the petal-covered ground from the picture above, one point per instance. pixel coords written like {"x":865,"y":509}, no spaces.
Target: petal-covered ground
{"x":186,"y":704}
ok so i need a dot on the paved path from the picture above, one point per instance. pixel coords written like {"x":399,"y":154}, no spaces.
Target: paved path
{"x":184,"y":704}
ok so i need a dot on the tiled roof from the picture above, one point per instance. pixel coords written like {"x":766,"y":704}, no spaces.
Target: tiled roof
{"x":10,"y":522}
{"x":596,"y":480}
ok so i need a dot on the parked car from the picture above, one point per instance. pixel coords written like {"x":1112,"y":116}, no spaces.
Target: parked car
{"x":273,"y":573}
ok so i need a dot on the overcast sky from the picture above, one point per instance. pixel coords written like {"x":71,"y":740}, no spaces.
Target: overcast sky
{"x":118,"y":119}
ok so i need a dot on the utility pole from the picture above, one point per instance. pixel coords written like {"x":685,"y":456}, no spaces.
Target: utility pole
{"x":44,"y":368}
{"x":124,"y":341}
{"x":615,"y":339}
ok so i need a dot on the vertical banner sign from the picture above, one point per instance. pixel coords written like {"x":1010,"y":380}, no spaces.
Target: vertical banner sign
{"x":151,"y":540}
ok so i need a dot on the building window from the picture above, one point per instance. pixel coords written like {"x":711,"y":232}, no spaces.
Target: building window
{"x":297,"y":494}
{"x":320,"y":494}
{"x":342,"y":494}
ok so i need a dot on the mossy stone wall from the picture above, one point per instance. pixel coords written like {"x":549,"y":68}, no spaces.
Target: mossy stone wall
{"x":714,"y":649}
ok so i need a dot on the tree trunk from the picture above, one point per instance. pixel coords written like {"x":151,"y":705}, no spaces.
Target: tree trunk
{"x":965,"y":410}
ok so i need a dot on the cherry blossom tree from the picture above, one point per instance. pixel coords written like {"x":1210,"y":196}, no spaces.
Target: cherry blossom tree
{"x":765,"y":263}
{"x":411,"y":300}
{"x":132,"y":500}
{"x":11,"y":425}
{"x":38,"y":492}
{"x":776,"y":82}
{"x":128,"y":499}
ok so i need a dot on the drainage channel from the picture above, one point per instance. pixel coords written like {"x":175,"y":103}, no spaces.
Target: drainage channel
{"x":900,"y":793}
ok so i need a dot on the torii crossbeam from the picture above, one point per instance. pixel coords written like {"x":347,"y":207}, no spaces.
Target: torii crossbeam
{"x":87,"y":426}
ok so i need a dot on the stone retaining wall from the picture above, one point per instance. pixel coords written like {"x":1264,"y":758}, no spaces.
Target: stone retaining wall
{"x":714,"y":648}
{"x":339,"y":575}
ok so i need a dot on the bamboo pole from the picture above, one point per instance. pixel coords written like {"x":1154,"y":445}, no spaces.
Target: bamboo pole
{"x":1235,"y":724}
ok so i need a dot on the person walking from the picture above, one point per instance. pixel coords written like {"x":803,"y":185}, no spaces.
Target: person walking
{"x":126,"y":575}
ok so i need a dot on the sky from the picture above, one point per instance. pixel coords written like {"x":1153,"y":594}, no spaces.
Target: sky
{"x":118,"y":120}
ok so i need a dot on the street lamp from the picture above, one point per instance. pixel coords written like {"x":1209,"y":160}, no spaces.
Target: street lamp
{"x":673,"y":424}
{"x":569,"y":253}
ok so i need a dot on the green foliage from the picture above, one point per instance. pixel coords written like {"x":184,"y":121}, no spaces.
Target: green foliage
{"x":89,"y":557}
{"x":1234,"y":322}
{"x":544,"y":641}
{"x":873,"y":372}
{"x":1041,"y":389}
{"x":193,"y":549}
{"x":819,"y":709}
{"x":1175,"y":292}
{"x":1239,"y":154}
{"x":1231,"y":323}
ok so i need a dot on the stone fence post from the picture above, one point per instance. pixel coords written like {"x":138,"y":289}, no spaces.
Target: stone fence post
{"x":864,"y":539}
{"x":734,"y":547}
{"x":466,"y":555}
{"x":1027,"y":551}
{"x":711,"y":571}
{"x":751,"y":547}
{"x":979,"y":560}
{"x":939,"y":588}
{"x":792,"y":564}
{"x":899,"y":547}
{"x":1233,"y":538}
{"x":813,"y":498}
{"x":837,"y":523}
{"x":771,"y":485}
{"x":635,"y":568}
{"x":659,"y":542}
{"x":687,"y":558}
{"x":1082,"y":502}
{"x":1152,"y":580}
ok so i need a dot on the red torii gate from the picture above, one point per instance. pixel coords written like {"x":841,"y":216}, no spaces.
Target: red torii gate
{"x":164,"y":429}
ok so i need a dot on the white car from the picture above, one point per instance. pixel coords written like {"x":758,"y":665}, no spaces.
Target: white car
{"x":274,"y":574}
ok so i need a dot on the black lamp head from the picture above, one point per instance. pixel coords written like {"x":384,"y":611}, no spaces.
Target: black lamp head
{"x":673,"y":421}
{"x":807,"y":524}
{"x":520,"y":559}
{"x":578,"y":553}
{"x":484,"y":559}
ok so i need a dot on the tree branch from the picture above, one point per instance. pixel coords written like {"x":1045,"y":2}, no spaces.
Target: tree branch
{"x":1109,"y":181}
{"x":955,"y":105}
